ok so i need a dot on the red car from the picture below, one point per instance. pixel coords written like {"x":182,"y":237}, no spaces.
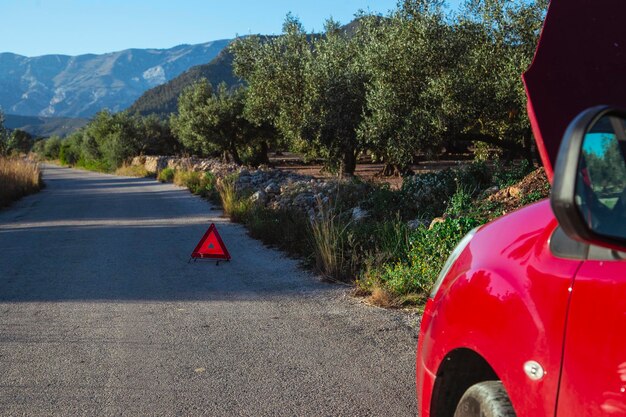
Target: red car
{"x":528,"y":316}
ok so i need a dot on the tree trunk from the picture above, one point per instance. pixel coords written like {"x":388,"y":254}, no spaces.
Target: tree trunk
{"x":528,"y":146}
{"x":348,"y":164}
{"x":394,"y":170}
{"x":262,"y":157}
{"x":231,"y":155}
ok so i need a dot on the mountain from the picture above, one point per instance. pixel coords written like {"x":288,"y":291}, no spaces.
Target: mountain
{"x":39,"y":126}
{"x":80,"y":86}
{"x":163,"y":99}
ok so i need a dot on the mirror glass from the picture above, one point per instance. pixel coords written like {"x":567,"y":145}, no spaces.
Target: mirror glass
{"x":601,"y":182}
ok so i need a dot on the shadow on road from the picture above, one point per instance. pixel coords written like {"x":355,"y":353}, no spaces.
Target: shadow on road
{"x":94,"y":237}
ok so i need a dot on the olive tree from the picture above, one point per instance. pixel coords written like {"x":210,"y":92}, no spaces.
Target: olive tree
{"x":407,"y":58}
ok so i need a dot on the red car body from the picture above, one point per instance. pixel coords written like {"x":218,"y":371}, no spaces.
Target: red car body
{"x":510,"y":297}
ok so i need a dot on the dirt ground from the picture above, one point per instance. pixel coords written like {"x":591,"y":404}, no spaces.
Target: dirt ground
{"x":366,"y":170}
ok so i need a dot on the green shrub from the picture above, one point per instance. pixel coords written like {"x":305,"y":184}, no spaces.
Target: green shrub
{"x":430,"y":191}
{"x":52,"y":147}
{"x":68,"y":154}
{"x":460,"y":203}
{"x":97,"y":165}
{"x":382,"y":203}
{"x":429,"y":249}
{"x":189,"y":179}
{"x":505,"y":177}
{"x":287,"y":229}
{"x":166,"y":175}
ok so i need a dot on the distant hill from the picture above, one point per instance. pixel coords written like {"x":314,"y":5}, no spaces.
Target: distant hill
{"x":44,"y":126}
{"x":163,"y":99}
{"x":80,"y":86}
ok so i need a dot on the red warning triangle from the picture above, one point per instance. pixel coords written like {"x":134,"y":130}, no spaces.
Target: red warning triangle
{"x":211,"y":246}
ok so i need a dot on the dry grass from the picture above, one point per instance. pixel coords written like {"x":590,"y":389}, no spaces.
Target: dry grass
{"x":237,"y":207}
{"x":329,"y":237}
{"x":132,"y":171}
{"x":383,"y":298}
{"x":18,"y":177}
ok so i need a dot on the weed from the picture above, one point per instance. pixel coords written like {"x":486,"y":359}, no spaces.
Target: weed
{"x":236,"y":206}
{"x":166,"y":175}
{"x":286,"y":228}
{"x":97,"y":165}
{"x":330,"y":238}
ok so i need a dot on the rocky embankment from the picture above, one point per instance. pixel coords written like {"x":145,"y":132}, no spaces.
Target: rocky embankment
{"x":279,"y":189}
{"x":270,"y":187}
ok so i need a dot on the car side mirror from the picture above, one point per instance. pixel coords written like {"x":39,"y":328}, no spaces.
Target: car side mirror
{"x":589,"y":188}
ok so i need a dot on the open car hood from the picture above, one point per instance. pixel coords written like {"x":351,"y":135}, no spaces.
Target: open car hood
{"x":580,"y":62}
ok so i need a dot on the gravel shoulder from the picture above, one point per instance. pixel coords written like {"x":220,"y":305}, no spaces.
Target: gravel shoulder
{"x":102,"y":315}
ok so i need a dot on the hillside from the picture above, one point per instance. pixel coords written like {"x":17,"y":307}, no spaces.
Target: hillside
{"x":39,"y":126}
{"x":163,"y":99}
{"x":80,"y":86}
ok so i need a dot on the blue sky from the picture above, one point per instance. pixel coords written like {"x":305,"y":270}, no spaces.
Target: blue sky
{"x":39,"y":27}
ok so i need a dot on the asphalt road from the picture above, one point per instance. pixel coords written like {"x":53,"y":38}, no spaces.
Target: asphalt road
{"x":101,"y":315}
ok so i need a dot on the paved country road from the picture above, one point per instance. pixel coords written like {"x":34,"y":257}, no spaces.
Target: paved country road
{"x":101,"y":315}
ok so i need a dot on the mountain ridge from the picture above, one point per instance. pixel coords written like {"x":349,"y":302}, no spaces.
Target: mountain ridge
{"x":81,"y":85}
{"x":163,"y":99}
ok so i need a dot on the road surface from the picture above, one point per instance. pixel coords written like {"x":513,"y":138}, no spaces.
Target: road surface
{"x":101,"y":315}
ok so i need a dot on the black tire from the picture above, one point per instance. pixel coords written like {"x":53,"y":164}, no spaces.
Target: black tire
{"x":485,"y":399}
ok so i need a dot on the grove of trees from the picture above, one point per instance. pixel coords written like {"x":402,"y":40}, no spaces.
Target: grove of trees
{"x":397,"y":86}
{"x":403,"y":86}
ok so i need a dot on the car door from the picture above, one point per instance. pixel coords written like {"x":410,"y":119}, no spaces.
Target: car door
{"x":593,"y":379}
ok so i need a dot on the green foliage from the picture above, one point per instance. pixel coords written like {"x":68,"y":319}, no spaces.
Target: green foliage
{"x":203,"y":184}
{"x":460,"y":202}
{"x":71,"y":152}
{"x":19,"y":142}
{"x":274,"y":70}
{"x":495,"y":41}
{"x":429,"y":249}
{"x":166,"y":175}
{"x":334,"y":97}
{"x":52,"y":148}
{"x":505,"y":177}
{"x":286,"y":229}
{"x":116,"y":136}
{"x":211,"y":122}
{"x":408,"y":59}
{"x":4,"y":148}
{"x":432,"y":191}
{"x":400,"y":86}
{"x":109,"y":141}
{"x":156,"y":137}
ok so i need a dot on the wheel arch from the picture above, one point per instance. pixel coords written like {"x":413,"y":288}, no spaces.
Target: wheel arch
{"x":459,"y":370}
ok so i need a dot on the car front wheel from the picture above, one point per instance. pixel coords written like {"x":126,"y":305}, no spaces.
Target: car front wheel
{"x":485,"y":399}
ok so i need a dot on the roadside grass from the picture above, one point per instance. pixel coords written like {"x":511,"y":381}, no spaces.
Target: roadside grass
{"x":96,"y":165}
{"x":132,"y":171}
{"x":18,"y":178}
{"x":390,"y":263}
{"x":203,"y":184}
{"x":166,"y":175}
{"x":330,"y":241}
